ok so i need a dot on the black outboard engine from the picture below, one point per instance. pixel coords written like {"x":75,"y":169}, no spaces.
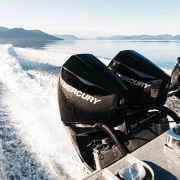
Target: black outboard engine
{"x":148,"y":87}
{"x":111,"y":111}
{"x":146,"y":82}
{"x":90,"y":93}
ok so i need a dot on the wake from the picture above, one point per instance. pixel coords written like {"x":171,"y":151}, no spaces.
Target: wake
{"x":30,"y":78}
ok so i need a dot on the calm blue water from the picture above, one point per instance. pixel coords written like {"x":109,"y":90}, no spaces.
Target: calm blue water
{"x":162,"y":53}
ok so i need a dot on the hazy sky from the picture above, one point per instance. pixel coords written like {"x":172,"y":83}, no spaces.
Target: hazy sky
{"x":92,"y":18}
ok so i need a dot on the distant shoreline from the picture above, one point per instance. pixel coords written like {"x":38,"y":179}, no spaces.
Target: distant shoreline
{"x":33,"y":35}
{"x":164,"y":37}
{"x":119,"y":40}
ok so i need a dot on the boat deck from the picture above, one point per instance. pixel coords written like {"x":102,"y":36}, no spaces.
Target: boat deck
{"x":164,"y":162}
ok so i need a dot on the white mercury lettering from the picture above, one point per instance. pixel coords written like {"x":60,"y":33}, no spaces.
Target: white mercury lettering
{"x":78,"y":93}
{"x":132,"y":81}
{"x":84,"y":96}
{"x":96,"y":100}
{"x":90,"y":98}
{"x":74,"y":90}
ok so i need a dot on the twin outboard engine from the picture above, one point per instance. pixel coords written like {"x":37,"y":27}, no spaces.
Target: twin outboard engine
{"x":146,"y":82}
{"x":106,"y":109}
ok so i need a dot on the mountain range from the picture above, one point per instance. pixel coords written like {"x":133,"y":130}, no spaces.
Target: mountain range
{"x":164,"y":37}
{"x":37,"y":35}
{"x":67,"y":37}
{"x":22,"y":34}
{"x":141,"y":37}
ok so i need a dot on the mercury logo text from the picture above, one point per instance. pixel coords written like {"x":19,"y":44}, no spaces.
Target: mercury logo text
{"x":81,"y":94}
{"x":132,"y":81}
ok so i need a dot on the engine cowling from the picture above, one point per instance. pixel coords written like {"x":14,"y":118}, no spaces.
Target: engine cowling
{"x":146,"y":82}
{"x":89,"y":92}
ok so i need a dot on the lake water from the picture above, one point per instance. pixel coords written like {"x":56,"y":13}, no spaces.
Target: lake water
{"x":162,"y":53}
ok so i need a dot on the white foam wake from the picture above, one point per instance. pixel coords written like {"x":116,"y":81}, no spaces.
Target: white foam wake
{"x":32,"y":102}
{"x":40,"y":56}
{"x":56,"y":59}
